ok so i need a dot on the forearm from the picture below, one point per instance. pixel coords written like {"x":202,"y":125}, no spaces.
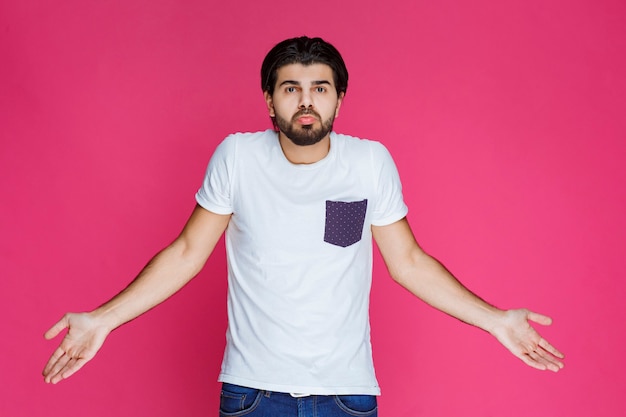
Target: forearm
{"x":163,"y":276}
{"x":429,"y":280}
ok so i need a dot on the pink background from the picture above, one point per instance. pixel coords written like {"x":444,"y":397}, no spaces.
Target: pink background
{"x":507,"y":123}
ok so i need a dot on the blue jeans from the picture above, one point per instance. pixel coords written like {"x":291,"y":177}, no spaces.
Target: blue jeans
{"x":236,"y":401}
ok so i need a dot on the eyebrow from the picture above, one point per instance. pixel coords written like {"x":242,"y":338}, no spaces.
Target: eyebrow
{"x":293,"y":82}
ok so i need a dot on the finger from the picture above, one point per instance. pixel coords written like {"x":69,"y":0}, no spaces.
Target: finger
{"x":56,"y":369}
{"x":530,"y":361}
{"x":53,"y":360}
{"x":551,"y":362}
{"x":554,"y":362}
{"x":548,"y":347}
{"x":72,"y":367}
{"x":544,"y":360}
{"x":57,"y":328}
{"x":539,"y":318}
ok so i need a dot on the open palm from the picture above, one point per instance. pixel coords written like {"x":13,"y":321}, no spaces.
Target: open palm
{"x":517,"y":335}
{"x":84,"y":338}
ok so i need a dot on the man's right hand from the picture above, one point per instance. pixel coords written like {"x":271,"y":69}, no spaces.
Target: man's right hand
{"x":165,"y":274}
{"x":84,"y":338}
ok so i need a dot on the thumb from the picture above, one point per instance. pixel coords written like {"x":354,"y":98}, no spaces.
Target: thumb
{"x":539,"y":318}
{"x":59,"y":326}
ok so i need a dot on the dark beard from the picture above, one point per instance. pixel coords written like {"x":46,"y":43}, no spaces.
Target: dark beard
{"x":304,"y":135}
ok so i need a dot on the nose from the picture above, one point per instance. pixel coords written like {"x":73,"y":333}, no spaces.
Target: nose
{"x":305,"y":100}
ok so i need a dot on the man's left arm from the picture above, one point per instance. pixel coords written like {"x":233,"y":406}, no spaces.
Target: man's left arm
{"x":430,"y":281}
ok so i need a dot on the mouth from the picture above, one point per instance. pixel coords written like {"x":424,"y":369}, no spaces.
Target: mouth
{"x":306,"y":117}
{"x":306,"y":120}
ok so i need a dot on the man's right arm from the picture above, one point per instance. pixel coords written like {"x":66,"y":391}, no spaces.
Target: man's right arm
{"x":164,"y":275}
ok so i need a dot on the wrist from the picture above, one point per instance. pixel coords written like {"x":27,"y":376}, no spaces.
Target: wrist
{"x":494,"y":320}
{"x":106,"y":318}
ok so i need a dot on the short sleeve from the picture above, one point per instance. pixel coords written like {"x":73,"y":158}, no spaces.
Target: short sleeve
{"x":389,"y":206}
{"x":215,"y":192}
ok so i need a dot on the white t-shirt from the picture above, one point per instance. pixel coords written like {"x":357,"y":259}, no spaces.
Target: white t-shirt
{"x":299,"y":250}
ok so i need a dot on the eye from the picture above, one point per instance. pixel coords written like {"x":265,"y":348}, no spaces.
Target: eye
{"x":290,"y":89}
{"x":320,"y":89}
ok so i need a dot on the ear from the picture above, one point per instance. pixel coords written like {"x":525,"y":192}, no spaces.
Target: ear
{"x":339,"y":101}
{"x":269,"y":102}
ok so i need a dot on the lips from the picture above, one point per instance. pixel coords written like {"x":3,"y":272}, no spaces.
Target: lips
{"x":307,"y":117}
{"x":306,"y":120}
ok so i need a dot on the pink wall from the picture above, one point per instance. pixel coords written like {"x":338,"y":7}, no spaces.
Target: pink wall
{"x":507,"y":123}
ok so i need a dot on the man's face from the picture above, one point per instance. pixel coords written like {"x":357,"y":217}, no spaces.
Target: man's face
{"x":305,"y":102}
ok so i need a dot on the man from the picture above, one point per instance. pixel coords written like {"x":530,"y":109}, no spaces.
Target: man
{"x":300,"y":205}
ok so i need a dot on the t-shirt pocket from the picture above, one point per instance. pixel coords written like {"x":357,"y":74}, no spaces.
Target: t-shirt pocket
{"x":344,"y":222}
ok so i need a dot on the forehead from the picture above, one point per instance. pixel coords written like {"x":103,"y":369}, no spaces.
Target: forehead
{"x":305,"y":73}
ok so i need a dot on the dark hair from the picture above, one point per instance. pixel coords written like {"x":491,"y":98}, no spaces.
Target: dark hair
{"x":305,"y":51}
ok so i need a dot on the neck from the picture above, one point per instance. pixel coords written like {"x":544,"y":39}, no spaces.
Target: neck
{"x":310,"y":154}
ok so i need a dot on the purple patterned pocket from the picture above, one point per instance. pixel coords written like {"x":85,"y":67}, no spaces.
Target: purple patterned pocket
{"x":344,"y":222}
